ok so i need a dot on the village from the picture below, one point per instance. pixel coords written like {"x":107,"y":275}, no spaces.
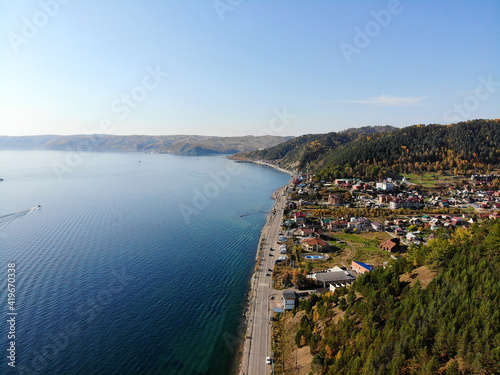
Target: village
{"x":332,"y":232}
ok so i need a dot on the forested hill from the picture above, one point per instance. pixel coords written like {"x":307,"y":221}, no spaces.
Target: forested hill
{"x":175,"y":144}
{"x":390,"y":326}
{"x":310,"y":148}
{"x":460,"y":147}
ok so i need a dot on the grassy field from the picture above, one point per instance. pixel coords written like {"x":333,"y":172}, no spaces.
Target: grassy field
{"x":431,"y":179}
{"x":366,"y":246}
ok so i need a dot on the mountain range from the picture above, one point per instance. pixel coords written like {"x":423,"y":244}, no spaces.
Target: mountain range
{"x":172,"y":144}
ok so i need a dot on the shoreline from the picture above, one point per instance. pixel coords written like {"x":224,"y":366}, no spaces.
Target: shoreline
{"x":242,"y":359}
{"x":259,"y":162}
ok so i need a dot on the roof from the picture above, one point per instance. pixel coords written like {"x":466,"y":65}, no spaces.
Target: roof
{"x":314,"y":242}
{"x":364,"y":265}
{"x":289,"y":294}
{"x":334,"y":277}
{"x":390,"y":244}
{"x":335,"y":269}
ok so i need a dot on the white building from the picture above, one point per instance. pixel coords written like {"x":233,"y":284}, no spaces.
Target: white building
{"x":289,"y":299}
{"x":387,"y":186}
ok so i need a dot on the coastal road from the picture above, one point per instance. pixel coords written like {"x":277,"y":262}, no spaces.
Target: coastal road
{"x":259,"y":328}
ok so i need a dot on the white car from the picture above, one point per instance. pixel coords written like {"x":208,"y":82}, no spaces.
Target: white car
{"x":268,"y":360}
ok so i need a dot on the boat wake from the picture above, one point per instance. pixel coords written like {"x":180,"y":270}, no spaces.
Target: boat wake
{"x":253,"y":213}
{"x":7,"y":219}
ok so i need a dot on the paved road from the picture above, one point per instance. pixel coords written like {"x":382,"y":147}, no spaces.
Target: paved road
{"x":260,"y":327}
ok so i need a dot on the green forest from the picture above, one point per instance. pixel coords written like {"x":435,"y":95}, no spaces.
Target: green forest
{"x":462,"y":148}
{"x":310,"y":148}
{"x":376,"y":152}
{"x":452,"y":326}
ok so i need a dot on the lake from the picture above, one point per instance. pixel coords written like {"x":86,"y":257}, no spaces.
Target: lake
{"x":134,"y":264}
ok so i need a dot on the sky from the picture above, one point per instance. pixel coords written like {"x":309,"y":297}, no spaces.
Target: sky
{"x":245,"y":67}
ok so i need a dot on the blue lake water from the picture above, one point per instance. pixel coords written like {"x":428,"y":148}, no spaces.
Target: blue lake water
{"x":129,"y":267}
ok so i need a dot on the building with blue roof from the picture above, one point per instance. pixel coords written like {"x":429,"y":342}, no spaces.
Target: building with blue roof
{"x":361,"y":267}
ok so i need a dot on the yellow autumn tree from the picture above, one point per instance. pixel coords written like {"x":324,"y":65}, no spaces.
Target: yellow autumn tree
{"x":315,"y":315}
{"x":303,"y":341}
{"x":329,"y":352}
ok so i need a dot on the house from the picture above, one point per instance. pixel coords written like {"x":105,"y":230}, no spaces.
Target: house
{"x":483,"y":178}
{"x":318,"y":231}
{"x":383,"y":198}
{"x":305,"y":232}
{"x":361,"y":267}
{"x":314,"y":244}
{"x":289,"y":299}
{"x":335,"y":199}
{"x":377,"y":226}
{"x":357,"y":187}
{"x":415,"y":221}
{"x":335,"y":277}
{"x":387,"y":186}
{"x":300,"y":220}
{"x":414,"y":237}
{"x":400,"y":222}
{"x":391,"y":245}
{"x":494,"y":215}
{"x":410,"y":203}
{"x":444,"y":204}
{"x":357,"y":223}
{"x":337,"y":225}
{"x":325,"y":222}
{"x":458,"y":221}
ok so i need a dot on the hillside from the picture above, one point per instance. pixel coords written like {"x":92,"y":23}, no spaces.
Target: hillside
{"x":310,"y":148}
{"x":384,"y":325}
{"x":463,"y":148}
{"x":174,"y":144}
{"x":373,"y":152}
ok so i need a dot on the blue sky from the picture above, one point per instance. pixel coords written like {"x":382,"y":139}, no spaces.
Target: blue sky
{"x":228,"y":67}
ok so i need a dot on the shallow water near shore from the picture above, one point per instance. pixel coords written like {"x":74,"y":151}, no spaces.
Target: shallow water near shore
{"x":135,"y":263}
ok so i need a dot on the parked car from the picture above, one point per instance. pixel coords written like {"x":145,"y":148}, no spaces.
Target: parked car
{"x":269,"y":360}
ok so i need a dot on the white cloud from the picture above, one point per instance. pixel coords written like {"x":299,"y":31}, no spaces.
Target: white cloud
{"x":391,"y":101}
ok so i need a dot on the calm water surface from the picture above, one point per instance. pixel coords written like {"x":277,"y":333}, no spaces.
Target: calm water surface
{"x":112,"y":277}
